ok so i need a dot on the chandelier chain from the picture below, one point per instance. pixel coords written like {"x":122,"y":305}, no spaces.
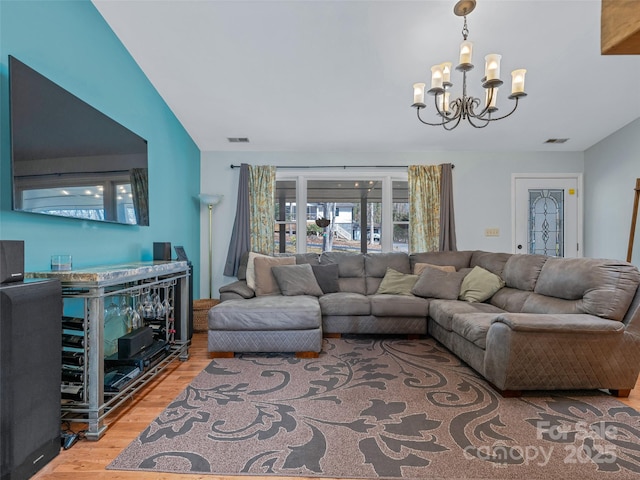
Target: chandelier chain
{"x":465,"y":29}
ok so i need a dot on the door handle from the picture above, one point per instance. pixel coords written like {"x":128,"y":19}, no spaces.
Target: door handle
{"x":519,"y":247}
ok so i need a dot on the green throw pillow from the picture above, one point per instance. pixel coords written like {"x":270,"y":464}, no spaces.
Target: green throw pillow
{"x":480,"y":285}
{"x":396,"y":283}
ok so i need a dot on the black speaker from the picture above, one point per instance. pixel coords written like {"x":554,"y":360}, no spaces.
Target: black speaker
{"x":162,"y":250}
{"x":133,"y":342}
{"x":11,"y":261}
{"x":30,"y":374}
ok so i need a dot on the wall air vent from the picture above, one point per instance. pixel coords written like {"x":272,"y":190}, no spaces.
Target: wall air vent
{"x":238,"y":139}
{"x":557,"y":140}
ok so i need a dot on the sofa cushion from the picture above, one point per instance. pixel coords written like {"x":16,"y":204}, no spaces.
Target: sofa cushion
{"x":522,"y":271}
{"x":510,"y":299}
{"x":457,"y":259}
{"x":350,"y":268}
{"x":376,"y":264}
{"x":296,"y":280}
{"x":399,"y":306}
{"x":436,"y":283}
{"x":479,"y":285}
{"x":270,"y":312}
{"x":473,"y":326}
{"x":596,"y":286}
{"x":396,"y":283}
{"x":310,"y":258}
{"x":442,"y":311}
{"x":327,"y":277}
{"x":345,"y":303}
{"x":418,"y":268}
{"x":493,"y":262}
{"x":265,"y":282}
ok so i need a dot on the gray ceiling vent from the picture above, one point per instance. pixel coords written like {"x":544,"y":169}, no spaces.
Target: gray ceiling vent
{"x":557,"y":140}
{"x":238,"y":139}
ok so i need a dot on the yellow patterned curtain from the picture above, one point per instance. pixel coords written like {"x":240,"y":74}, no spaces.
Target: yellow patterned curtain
{"x":424,"y":208}
{"x":262,"y":185}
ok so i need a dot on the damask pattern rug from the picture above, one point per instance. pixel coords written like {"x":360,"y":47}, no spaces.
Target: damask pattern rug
{"x":381,"y":408}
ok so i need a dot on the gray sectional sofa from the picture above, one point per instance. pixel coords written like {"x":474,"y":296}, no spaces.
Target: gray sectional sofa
{"x":547,"y":324}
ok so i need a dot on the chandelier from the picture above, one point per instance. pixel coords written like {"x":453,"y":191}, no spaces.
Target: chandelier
{"x":465,"y":107}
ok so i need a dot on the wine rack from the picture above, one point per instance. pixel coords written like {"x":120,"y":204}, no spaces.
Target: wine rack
{"x":102,"y":305}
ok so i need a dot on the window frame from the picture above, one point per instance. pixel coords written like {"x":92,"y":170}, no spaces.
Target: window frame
{"x":385,"y":176}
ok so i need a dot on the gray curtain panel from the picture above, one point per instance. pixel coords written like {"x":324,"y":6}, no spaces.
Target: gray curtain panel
{"x":240,"y":236}
{"x":447,"y":217}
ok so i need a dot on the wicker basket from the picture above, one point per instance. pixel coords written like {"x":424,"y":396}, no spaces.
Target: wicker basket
{"x":200,"y":313}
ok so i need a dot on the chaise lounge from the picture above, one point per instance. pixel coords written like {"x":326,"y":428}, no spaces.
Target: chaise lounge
{"x":523,"y":322}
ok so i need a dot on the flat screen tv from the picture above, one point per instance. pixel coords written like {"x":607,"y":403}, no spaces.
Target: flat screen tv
{"x":69,"y":159}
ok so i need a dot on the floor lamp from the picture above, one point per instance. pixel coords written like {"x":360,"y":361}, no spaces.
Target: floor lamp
{"x":210,"y":201}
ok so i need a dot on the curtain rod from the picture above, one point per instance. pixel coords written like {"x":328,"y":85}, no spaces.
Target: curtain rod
{"x":339,"y":166}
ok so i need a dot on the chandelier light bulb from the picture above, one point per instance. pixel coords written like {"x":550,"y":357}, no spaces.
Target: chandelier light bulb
{"x":446,"y":73}
{"x":491,"y":93}
{"x":436,"y":77}
{"x":492,"y":66}
{"x":517,"y":81}
{"x":466,"y":50}
{"x":418,"y":93}
{"x":443,"y":101}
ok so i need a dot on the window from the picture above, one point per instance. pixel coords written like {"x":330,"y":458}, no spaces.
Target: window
{"x":363,"y":213}
{"x":285,"y":233}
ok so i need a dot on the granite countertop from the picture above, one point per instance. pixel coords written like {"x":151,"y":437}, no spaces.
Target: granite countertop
{"x":112,"y":274}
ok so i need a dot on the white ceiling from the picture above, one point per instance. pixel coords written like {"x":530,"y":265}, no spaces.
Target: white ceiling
{"x":336,"y":76}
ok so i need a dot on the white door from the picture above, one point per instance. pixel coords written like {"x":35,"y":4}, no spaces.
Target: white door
{"x":547,"y":214}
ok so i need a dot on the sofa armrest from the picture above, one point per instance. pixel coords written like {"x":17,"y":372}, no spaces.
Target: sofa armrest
{"x":560,"y":323}
{"x":238,"y":289}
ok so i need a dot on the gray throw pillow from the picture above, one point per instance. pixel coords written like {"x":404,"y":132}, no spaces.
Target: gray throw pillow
{"x":296,"y":280}
{"x":480,"y":285}
{"x":396,"y":283}
{"x":437,"y":283}
{"x":327,"y":277}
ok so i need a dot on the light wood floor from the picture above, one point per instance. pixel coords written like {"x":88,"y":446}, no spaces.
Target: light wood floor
{"x":88,"y":459}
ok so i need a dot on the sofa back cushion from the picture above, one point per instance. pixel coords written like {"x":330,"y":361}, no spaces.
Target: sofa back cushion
{"x":522,"y":271}
{"x":584,"y":285}
{"x":494,"y":262}
{"x":376,"y":264}
{"x":350,"y":269}
{"x":457,"y":259}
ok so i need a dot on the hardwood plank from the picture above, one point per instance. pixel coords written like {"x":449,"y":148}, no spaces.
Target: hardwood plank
{"x":88,"y":459}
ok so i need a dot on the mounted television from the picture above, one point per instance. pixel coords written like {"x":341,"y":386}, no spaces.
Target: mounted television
{"x":69,"y":159}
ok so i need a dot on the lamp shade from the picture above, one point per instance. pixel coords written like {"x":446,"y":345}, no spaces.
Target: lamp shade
{"x":209,"y":199}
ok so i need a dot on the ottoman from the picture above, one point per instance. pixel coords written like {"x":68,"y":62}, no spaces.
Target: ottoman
{"x":270,"y":323}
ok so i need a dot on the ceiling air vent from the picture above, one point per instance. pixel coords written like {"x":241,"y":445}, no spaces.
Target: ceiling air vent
{"x":557,"y":140}
{"x":238,"y":139}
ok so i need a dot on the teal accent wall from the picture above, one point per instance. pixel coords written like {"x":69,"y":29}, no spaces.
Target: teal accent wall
{"x":69,"y":42}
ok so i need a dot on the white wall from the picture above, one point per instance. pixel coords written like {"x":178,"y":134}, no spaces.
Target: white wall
{"x":611,"y":169}
{"x":481,"y":183}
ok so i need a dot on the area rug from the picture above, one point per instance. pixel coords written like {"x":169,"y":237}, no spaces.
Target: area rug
{"x":381,"y":408}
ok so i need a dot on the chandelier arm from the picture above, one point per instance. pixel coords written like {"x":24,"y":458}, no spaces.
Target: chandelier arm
{"x":505,"y":116}
{"x":451,"y":127}
{"x":427,"y":123}
{"x":486,"y":120}
{"x":476,"y":102}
